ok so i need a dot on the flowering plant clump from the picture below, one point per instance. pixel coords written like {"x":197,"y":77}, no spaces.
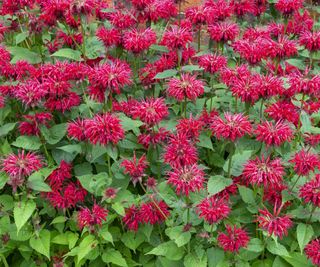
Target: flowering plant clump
{"x":148,"y":133}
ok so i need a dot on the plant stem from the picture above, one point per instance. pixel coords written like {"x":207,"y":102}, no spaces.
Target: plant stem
{"x":229,"y":165}
{"x":310,"y":217}
{"x":294,"y":184}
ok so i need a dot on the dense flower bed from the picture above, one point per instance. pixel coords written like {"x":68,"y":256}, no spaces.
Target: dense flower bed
{"x":144,"y":135}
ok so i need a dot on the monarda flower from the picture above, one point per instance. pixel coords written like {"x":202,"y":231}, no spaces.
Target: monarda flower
{"x":232,"y":127}
{"x":312,"y":139}
{"x":197,"y":15}
{"x":180,"y":152}
{"x":91,"y":218}
{"x":30,"y":93}
{"x":311,"y":40}
{"x":310,"y":191}
{"x":240,"y":8}
{"x":132,"y":218}
{"x":122,"y":20}
{"x":273,"y":133}
{"x":32,"y":123}
{"x":76,"y":129}
{"x":135,"y":167}
{"x":283,"y":110}
{"x":213,"y":209}
{"x":59,"y":175}
{"x":151,"y":111}
{"x":137,"y":41}
{"x":263,"y":171}
{"x":186,"y":179}
{"x":187,"y":86}
{"x":223,"y":31}
{"x":190,"y":127}
{"x":160,"y":9}
{"x":104,"y":129}
{"x":154,"y":212}
{"x":305,"y":162}
{"x":269,"y":85}
{"x":109,"y":37}
{"x":176,"y":37}
{"x":288,"y":7}
{"x":246,"y":88}
{"x":281,"y":48}
{"x":274,"y":223}
{"x":312,"y":251}
{"x":234,"y":239}
{"x":212,"y":62}
{"x":153,"y":137}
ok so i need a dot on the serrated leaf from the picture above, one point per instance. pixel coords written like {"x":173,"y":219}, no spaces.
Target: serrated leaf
{"x":238,"y":161}
{"x":22,"y":212}
{"x":21,"y":53}
{"x":72,"y":149}
{"x":192,"y":260}
{"x":41,"y":244}
{"x":85,"y":247}
{"x":190,"y":68}
{"x":277,"y":249}
{"x":68,"y":53}
{"x":255,"y":245}
{"x":54,"y":134}
{"x":205,"y":141}
{"x":115,"y":257}
{"x":3,"y":179}
{"x":304,"y":235}
{"x":36,"y":180}
{"x":5,"y":129}
{"x":118,"y":207}
{"x":297,"y":63}
{"x":166,"y":74}
{"x":159,"y":48}
{"x":169,"y":250}
{"x":20,"y":37}
{"x":246,"y":194}
{"x":218,"y":183}
{"x":129,"y":124}
{"x":27,"y":142}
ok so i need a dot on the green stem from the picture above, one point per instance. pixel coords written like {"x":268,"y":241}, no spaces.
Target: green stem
{"x":229,"y":165}
{"x":109,"y":165}
{"x":312,"y":211}
{"x":294,"y":184}
{"x":261,"y":108}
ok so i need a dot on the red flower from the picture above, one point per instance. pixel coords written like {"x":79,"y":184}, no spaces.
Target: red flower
{"x":151,"y":111}
{"x":187,"y":86}
{"x":159,"y":9}
{"x":283,"y":110}
{"x":32,"y":123}
{"x":154,"y":212}
{"x":135,"y":168}
{"x":176,"y":37}
{"x":62,"y":102}
{"x":220,"y":8}
{"x":186,"y":179}
{"x":122,"y":20}
{"x":265,"y":172}
{"x":104,"y":129}
{"x":90,"y":218}
{"x":59,"y":175}
{"x":287,"y":7}
{"x":273,"y":133}
{"x":109,"y":37}
{"x":269,"y":85}
{"x":311,"y":40}
{"x":234,"y":239}
{"x":30,"y":93}
{"x":213,"y":209}
{"x":232,"y":127}
{"x":312,"y":139}
{"x":190,"y":127}
{"x":180,"y":152}
{"x":223,"y":31}
{"x":138,"y":40}
{"x":274,"y":223}
{"x":281,"y":48}
{"x":132,"y":218}
{"x":153,"y":137}
{"x":197,"y":15}
{"x":212,"y":62}
{"x":310,"y":191}
{"x":312,"y":251}
{"x":76,"y":129}
{"x":242,"y":7}
{"x":305,"y":162}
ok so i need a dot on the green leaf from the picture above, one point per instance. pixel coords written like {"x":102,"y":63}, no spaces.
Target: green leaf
{"x":95,"y":183}
{"x":85,"y":247}
{"x":27,"y":142}
{"x":255,"y":245}
{"x":129,"y":124}
{"x":54,"y":134}
{"x":68,"y":53}
{"x":159,"y":48}
{"x":21,"y":53}
{"x":22,"y":212}
{"x":277,"y":249}
{"x":36,"y":180}
{"x":215,"y":256}
{"x":246,"y":194}
{"x":190,"y":68}
{"x":304,"y":235}
{"x":305,"y":122}
{"x":112,"y":151}
{"x":238,"y":161}
{"x":298,"y":260}
{"x":166,"y":74}
{"x":115,"y":257}
{"x":299,"y":63}
{"x":20,"y":37}
{"x":72,"y":149}
{"x":5,"y":129}
{"x":192,"y":260}
{"x":205,"y":141}
{"x":3,"y":179}
{"x":169,"y":250}
{"x":217,"y":183}
{"x":41,"y":244}
{"x":118,"y":207}
{"x":131,"y":240}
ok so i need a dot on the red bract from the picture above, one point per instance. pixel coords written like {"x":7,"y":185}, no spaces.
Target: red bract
{"x":30,"y":93}
{"x":311,"y":40}
{"x":91,"y":218}
{"x":234,"y":239}
{"x":151,"y":111}
{"x":176,"y":38}
{"x":312,"y":139}
{"x":312,"y":251}
{"x":132,"y":218}
{"x":282,"y":48}
{"x":223,"y":31}
{"x":283,"y":110}
{"x":122,"y":20}
{"x":76,"y":129}
{"x":137,"y":40}
{"x":103,"y":129}
{"x":310,"y":191}
{"x":305,"y":162}
{"x":213,"y":209}
{"x":186,"y":179}
{"x":274,"y":223}
{"x":246,"y":88}
{"x":154,"y":212}
{"x":180,"y":152}
{"x":232,"y":127}
{"x":135,"y":168}
{"x":187,"y":86}
{"x":273,"y":133}
{"x":109,"y":37}
{"x":212,"y":62}
{"x":287,"y":7}
{"x":263,"y":171}
{"x":190,"y":127}
{"x":197,"y":15}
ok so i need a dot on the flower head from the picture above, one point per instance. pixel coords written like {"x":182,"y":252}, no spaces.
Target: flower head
{"x":176,"y":37}
{"x":305,"y":162}
{"x":310,"y":191}
{"x":312,"y":251}
{"x":288,"y":7}
{"x":311,"y":40}
{"x":132,"y":218}
{"x":234,"y":239}
{"x":135,"y":167}
{"x":212,"y":62}
{"x":138,"y":40}
{"x":93,"y":217}
{"x":76,"y":129}
{"x":223,"y":31}
{"x":154,"y":212}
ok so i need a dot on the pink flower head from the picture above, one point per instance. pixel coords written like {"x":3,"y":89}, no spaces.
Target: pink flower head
{"x":122,"y":20}
{"x":154,"y":212}
{"x":91,"y":218}
{"x":59,"y":175}
{"x":311,"y":40}
{"x":197,"y":15}
{"x":135,"y":167}
{"x":283,"y":110}
{"x":151,"y":111}
{"x":76,"y":129}
{"x":190,"y":127}
{"x":213,"y":209}
{"x":139,"y":40}
{"x":273,"y":133}
{"x":263,"y":171}
{"x":310,"y":191}
{"x":274,"y":223}
{"x":234,"y":239}
{"x":212,"y":62}
{"x":152,"y":137}
{"x":232,"y":127}
{"x":32,"y":122}
{"x":180,"y":152}
{"x":305,"y":162}
{"x":109,"y":37}
{"x":312,"y":251}
{"x":132,"y":218}
{"x":288,"y":7}
{"x":186,"y":179}
{"x":187,"y":86}
{"x":104,"y":129}
{"x":220,"y":9}
{"x":243,"y":7}
{"x":223,"y":31}
{"x":312,"y":139}
{"x":176,"y":37}
{"x":282,"y":48}
{"x":30,"y":93}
